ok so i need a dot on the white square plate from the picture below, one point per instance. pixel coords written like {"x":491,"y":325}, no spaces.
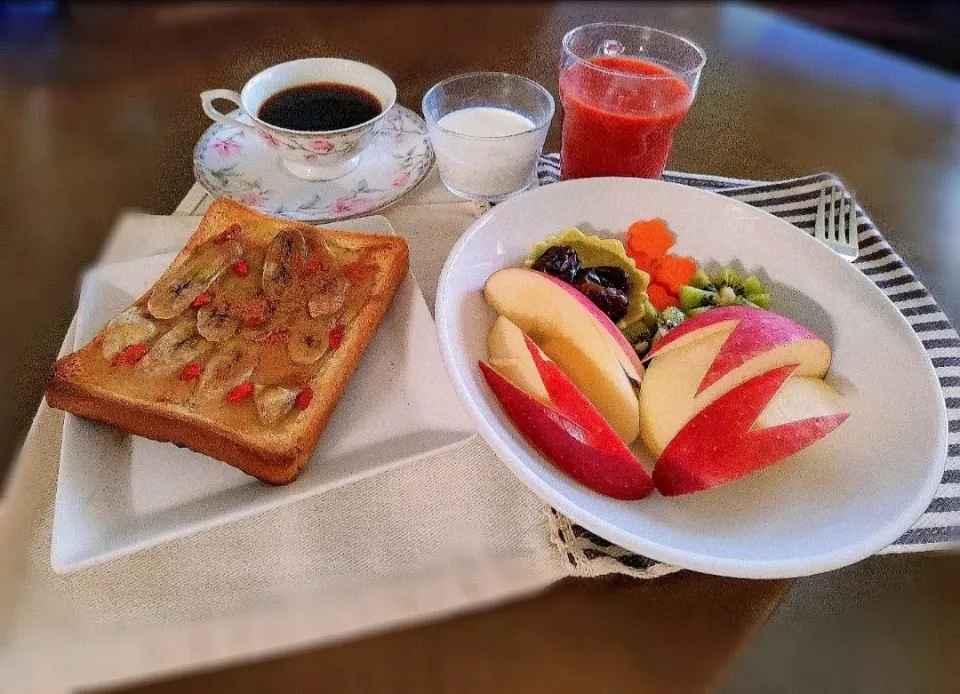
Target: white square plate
{"x":119,"y":493}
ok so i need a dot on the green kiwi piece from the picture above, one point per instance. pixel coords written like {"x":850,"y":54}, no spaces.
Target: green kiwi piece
{"x":762,"y":300}
{"x":636,"y":331}
{"x":670,"y":318}
{"x":727,"y":277}
{"x":725,"y":289}
{"x":650,"y":314}
{"x":692,"y":297}
{"x":752,"y":285}
{"x":726,"y":296}
{"x":701,"y":280}
{"x":697,"y":311}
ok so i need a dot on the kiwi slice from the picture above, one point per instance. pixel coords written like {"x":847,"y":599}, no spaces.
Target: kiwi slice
{"x":727,"y":277}
{"x":694,"y":297}
{"x":650,"y":314}
{"x":701,"y":280}
{"x":636,"y":332}
{"x":643,"y":334}
{"x":759,"y":300}
{"x":724,"y":288}
{"x":752,"y":285}
{"x":639,"y":335}
{"x":670,"y":318}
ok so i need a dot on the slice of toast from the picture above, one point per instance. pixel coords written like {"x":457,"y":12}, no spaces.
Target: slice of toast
{"x":242,"y":349}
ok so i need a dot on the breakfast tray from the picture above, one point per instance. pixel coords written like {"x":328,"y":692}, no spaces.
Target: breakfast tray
{"x":795,"y":201}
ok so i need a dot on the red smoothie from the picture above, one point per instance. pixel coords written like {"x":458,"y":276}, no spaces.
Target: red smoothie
{"x":615,"y":123}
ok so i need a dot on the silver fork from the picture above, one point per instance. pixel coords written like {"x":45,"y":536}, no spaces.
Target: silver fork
{"x":836,"y":224}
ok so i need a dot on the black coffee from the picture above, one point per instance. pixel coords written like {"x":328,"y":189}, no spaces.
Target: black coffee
{"x":320,"y":106}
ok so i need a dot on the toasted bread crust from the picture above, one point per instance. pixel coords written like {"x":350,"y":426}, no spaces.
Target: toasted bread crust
{"x":274,"y":462}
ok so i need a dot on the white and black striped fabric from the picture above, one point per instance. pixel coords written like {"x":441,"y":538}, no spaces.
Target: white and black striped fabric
{"x":795,"y":201}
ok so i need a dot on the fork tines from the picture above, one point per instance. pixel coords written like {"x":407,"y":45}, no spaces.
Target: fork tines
{"x":836,"y":223}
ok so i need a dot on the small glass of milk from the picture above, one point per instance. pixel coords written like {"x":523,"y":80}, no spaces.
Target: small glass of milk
{"x":487,"y":129}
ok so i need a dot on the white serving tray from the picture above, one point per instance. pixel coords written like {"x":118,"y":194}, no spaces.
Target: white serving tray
{"x":118,"y":493}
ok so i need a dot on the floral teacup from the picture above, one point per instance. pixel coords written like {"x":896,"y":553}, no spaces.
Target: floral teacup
{"x":321,"y":155}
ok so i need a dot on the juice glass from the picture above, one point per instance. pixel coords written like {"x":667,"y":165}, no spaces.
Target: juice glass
{"x":624,"y":90}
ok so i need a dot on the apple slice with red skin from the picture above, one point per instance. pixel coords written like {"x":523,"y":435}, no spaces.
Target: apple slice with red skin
{"x":719,"y":444}
{"x":565,"y":325}
{"x":626,"y":354}
{"x":755,"y":332}
{"x":571,"y":402}
{"x":575,"y":437}
{"x":516,"y":357}
{"x":672,"y":392}
{"x":507,"y":352}
{"x":695,"y":328}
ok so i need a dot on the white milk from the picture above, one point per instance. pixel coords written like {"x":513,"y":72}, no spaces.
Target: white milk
{"x":486,"y":121}
{"x":488,"y":168}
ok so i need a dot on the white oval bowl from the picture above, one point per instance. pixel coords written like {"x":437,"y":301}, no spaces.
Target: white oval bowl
{"x":830,"y":505}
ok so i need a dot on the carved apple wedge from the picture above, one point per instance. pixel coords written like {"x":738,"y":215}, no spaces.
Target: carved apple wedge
{"x":752,"y":334}
{"x":568,"y":430}
{"x":722,"y":442}
{"x":694,"y":365}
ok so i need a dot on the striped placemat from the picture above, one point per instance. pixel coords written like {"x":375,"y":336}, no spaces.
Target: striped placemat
{"x":795,"y":201}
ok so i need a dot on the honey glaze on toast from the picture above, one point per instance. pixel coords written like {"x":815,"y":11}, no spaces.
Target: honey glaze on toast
{"x":240,"y":333}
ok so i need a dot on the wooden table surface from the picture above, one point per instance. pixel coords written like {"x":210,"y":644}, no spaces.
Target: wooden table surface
{"x":99,"y":111}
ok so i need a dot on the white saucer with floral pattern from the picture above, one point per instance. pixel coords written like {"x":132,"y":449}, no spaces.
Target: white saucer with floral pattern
{"x":241,"y":165}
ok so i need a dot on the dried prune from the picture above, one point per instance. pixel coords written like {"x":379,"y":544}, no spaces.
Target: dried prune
{"x":605,"y":276}
{"x":610,"y":300}
{"x":560,"y":261}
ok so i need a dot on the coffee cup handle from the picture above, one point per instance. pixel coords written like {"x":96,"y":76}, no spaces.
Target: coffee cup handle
{"x":207,"y":98}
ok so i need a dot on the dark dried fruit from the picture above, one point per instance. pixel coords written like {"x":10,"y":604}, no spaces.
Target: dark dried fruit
{"x":610,"y":300}
{"x":562,"y":262}
{"x":605,"y":276}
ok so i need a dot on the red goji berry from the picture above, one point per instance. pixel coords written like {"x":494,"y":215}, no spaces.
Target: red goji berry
{"x":130,"y":355}
{"x":240,"y":268}
{"x":240,"y":393}
{"x":336,"y":336}
{"x":191,"y":371}
{"x":304,"y":397}
{"x":202,"y":300}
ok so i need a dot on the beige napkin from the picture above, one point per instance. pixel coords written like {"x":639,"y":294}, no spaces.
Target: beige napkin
{"x":444,"y":534}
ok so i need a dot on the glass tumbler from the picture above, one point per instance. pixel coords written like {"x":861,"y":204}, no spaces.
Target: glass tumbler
{"x":487,"y":129}
{"x":624,"y":89}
